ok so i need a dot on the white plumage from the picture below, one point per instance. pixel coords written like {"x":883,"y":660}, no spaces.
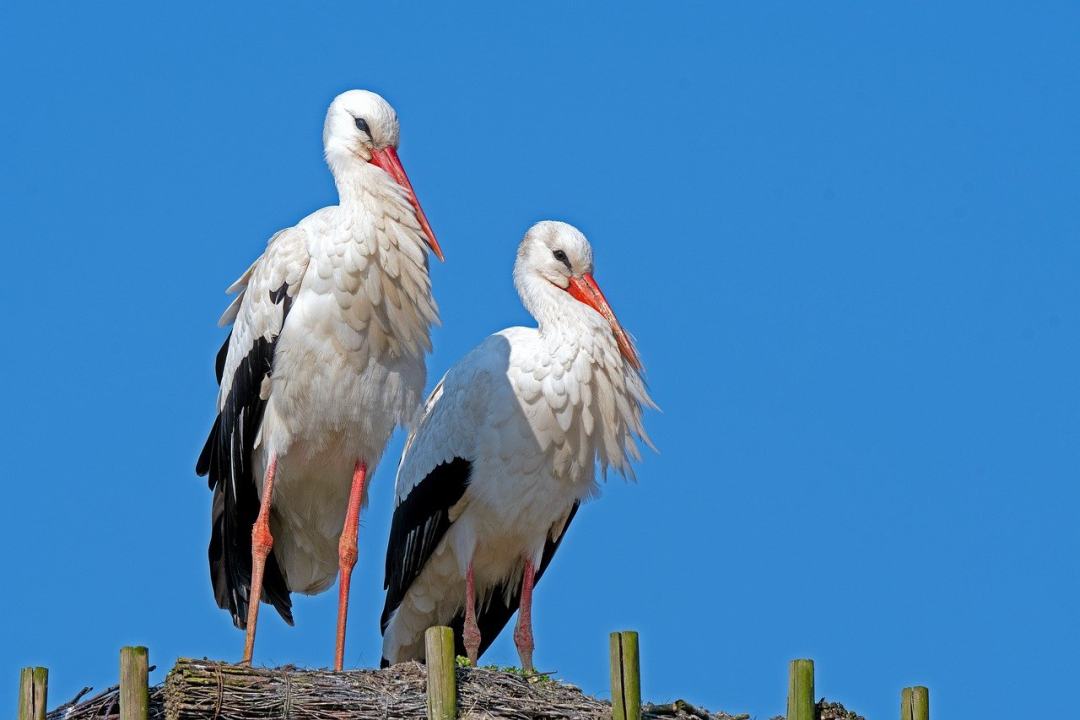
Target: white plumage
{"x":511,"y":435}
{"x":326,"y":358}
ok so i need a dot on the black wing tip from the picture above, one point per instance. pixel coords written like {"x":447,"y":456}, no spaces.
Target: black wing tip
{"x":240,"y":620}
{"x":392,"y":603}
{"x":383,"y":663}
{"x":222,"y":355}
{"x":428,"y":501}
{"x":206,"y":457}
{"x":238,"y":607}
{"x":230,"y":568}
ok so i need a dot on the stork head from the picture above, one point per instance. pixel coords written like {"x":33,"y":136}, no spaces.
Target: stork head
{"x":362,"y":128}
{"x":557,"y":253}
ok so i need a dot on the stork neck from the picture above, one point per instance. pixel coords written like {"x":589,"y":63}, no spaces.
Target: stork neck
{"x":558,"y":315}
{"x":365,"y":190}
{"x":351,"y":178}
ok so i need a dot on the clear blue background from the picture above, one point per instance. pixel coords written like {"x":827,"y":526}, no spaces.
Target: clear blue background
{"x":846,"y":238}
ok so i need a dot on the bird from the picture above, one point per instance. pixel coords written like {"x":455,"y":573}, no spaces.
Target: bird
{"x":504,"y":451}
{"x":325,"y":358}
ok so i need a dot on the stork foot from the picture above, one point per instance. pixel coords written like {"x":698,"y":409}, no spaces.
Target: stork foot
{"x":524,"y":643}
{"x":470,"y":633}
{"x":523,"y":635}
{"x":471,"y":636}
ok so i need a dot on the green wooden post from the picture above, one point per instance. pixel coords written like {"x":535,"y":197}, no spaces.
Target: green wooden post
{"x":33,"y":693}
{"x":134,"y":683}
{"x":625,"y":676}
{"x":441,"y":683}
{"x":920,"y":703}
{"x":800,"y":697}
{"x":915,"y":703}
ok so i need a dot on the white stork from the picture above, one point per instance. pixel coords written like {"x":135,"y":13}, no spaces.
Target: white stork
{"x":504,"y":452}
{"x":325,"y":358}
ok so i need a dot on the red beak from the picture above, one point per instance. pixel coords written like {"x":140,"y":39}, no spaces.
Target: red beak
{"x":387,"y":159}
{"x":584,"y":289}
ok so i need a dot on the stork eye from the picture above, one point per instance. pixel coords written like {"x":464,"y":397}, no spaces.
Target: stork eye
{"x":561,"y":257}
{"x":361,"y":124}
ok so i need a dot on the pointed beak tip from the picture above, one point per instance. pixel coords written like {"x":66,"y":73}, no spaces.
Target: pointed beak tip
{"x":388,"y":160}
{"x":586,"y":290}
{"x":436,"y":249}
{"x":630,"y":353}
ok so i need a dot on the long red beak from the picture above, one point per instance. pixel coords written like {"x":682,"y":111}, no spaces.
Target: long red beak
{"x":387,"y":159}
{"x":584,"y":289}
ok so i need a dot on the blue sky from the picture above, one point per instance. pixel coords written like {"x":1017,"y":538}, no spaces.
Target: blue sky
{"x":845,"y":237}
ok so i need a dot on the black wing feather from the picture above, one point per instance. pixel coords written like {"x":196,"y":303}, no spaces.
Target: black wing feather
{"x":493,"y":618}
{"x":226,"y":458}
{"x":222,"y":354}
{"x":420,"y":522}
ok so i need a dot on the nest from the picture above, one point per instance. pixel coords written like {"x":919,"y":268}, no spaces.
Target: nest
{"x":105,"y":705}
{"x":208,"y":690}
{"x":825,"y":710}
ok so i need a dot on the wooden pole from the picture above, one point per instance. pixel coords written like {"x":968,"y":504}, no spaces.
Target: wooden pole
{"x":441,"y":683}
{"x":920,"y":703}
{"x":915,"y":703}
{"x":800,"y":698}
{"x":625,"y":676}
{"x":33,"y":693}
{"x":134,"y":683}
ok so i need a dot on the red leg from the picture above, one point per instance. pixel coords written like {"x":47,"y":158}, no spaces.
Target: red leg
{"x":262,"y":542}
{"x":471,"y":633}
{"x":347,"y":557}
{"x":523,"y":635}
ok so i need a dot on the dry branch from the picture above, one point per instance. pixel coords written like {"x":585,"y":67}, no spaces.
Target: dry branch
{"x":105,"y":705}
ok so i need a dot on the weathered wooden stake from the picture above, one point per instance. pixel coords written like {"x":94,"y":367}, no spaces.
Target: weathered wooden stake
{"x":441,"y":683}
{"x":920,"y":703}
{"x":33,"y":693}
{"x":915,"y":703}
{"x":800,"y":695}
{"x":134,"y":683}
{"x":625,"y":676}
